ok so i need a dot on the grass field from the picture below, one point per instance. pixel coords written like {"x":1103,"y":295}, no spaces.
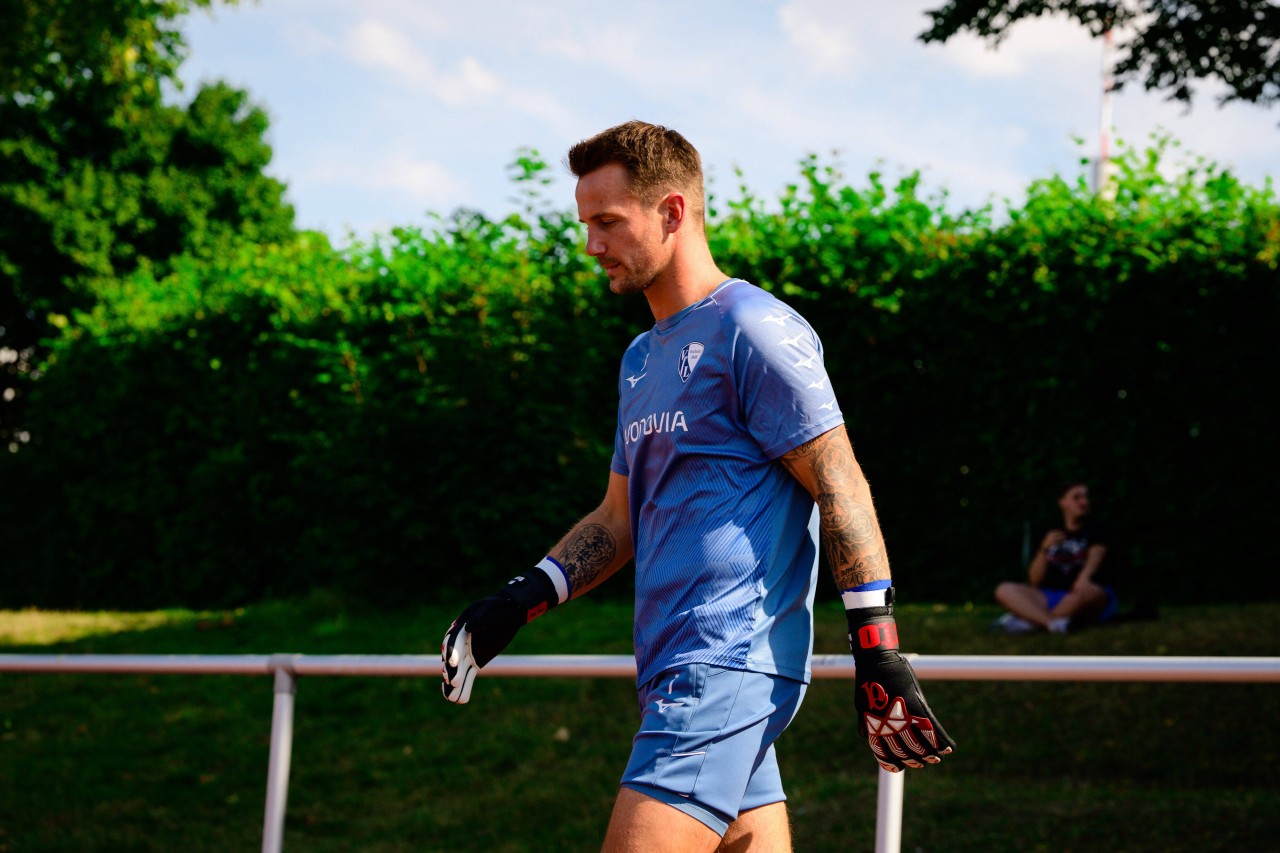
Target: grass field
{"x":164,"y":763}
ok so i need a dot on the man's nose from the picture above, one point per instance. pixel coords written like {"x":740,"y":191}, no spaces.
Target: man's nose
{"x":595,"y":246}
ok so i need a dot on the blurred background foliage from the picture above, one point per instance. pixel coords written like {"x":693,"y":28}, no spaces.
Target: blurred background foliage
{"x":204,"y":406}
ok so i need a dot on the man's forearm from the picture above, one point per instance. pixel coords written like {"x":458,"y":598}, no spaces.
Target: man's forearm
{"x":1036,"y":571}
{"x":849,"y":529}
{"x":1093,"y":562}
{"x":593,"y":550}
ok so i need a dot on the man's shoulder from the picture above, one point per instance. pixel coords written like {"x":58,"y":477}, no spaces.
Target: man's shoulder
{"x":738,"y":294}
{"x":1098,"y":532}
{"x":749,"y":307}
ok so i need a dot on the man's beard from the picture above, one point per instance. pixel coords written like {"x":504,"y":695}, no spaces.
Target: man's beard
{"x":634,"y":281}
{"x":630,"y":284}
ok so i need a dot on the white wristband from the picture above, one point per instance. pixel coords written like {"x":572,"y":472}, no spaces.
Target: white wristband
{"x":857,"y":600}
{"x":559,"y":578}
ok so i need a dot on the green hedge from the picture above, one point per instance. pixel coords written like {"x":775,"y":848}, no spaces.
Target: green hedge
{"x":434,"y":409}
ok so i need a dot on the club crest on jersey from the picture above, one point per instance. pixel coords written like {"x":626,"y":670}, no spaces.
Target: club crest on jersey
{"x":689,"y":359}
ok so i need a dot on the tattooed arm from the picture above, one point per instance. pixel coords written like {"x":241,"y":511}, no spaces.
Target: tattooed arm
{"x":599,"y":544}
{"x":593,"y":550}
{"x":850,"y":533}
{"x":892,"y":713}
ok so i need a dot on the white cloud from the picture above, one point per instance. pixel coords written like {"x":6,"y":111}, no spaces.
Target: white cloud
{"x":654,"y":62}
{"x":306,"y":39}
{"x":400,"y":54}
{"x":1038,"y":44}
{"x":979,"y":59}
{"x":1239,"y":137}
{"x":814,"y":29}
{"x":783,"y":117}
{"x":397,"y":173}
{"x":422,"y":180}
{"x":374,"y":44}
{"x":388,"y":107}
{"x":471,"y":82}
{"x":547,"y":109}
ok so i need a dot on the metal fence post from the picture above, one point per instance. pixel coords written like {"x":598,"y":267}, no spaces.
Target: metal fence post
{"x":281,"y":752}
{"x":889,"y":811}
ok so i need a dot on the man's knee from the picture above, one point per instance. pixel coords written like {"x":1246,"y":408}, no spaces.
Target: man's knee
{"x":1084,"y":602}
{"x":1007,"y":591}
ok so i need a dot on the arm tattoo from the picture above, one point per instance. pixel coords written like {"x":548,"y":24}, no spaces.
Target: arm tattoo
{"x":850,"y":534}
{"x":588,"y":552}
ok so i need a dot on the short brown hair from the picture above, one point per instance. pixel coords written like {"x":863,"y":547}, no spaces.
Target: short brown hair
{"x":657,"y":160}
{"x":1068,"y":485}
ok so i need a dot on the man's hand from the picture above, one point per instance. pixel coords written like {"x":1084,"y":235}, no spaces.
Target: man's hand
{"x":892,"y":713}
{"x":1053,"y":537}
{"x":460,"y":668}
{"x":476,"y":637}
{"x":489,"y":625}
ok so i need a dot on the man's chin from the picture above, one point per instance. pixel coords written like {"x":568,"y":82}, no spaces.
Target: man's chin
{"x":624,"y":284}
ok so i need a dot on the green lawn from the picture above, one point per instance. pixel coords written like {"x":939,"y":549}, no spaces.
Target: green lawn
{"x":126,"y":762}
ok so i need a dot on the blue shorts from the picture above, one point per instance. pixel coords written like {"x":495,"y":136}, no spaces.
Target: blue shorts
{"x":1053,"y":596}
{"x":705,"y":744}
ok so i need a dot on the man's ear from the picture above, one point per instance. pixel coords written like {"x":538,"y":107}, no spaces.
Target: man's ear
{"x":674,"y":210}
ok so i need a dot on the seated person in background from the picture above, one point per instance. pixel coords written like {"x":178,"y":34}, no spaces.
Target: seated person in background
{"x":1064,"y":574}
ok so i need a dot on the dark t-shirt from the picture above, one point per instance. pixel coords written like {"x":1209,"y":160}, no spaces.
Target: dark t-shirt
{"x":1065,"y":560}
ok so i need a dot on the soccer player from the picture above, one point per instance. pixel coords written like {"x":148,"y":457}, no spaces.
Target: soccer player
{"x":730,"y":464}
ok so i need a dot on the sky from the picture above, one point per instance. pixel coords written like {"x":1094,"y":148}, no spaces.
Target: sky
{"x":384,"y":112}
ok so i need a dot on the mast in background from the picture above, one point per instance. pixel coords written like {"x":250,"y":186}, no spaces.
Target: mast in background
{"x":1103,"y":171}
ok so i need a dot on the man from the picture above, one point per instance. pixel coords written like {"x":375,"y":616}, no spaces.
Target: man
{"x":1065,"y":582}
{"x":730,"y":455}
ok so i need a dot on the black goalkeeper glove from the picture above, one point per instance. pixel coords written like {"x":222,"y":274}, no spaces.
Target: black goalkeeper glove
{"x":488,"y":626}
{"x":892,"y":713}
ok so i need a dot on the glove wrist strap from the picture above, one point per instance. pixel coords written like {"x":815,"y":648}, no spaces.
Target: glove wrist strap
{"x":872,"y":629}
{"x":534,"y":593}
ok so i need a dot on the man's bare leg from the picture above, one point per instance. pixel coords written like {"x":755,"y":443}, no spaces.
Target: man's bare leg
{"x":1026,"y":601}
{"x":641,"y":824}
{"x":1088,"y":603}
{"x":762,"y":830}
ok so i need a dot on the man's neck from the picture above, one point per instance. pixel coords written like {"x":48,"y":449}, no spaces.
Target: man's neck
{"x":682,"y":285}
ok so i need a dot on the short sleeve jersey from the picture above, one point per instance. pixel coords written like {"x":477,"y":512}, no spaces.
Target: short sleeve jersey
{"x":1065,"y":560}
{"x":726,"y":540}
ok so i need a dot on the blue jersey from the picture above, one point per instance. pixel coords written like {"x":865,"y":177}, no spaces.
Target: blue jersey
{"x":726,"y":540}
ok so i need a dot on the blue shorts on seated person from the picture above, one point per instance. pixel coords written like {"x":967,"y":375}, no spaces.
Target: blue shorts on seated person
{"x":1053,"y":596}
{"x":705,"y":744}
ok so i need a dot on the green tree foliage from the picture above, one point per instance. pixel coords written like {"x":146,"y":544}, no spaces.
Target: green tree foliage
{"x":1172,"y":44}
{"x":100,"y":177}
{"x":430,"y":410}
{"x":1080,"y":337}
{"x":379,"y":421}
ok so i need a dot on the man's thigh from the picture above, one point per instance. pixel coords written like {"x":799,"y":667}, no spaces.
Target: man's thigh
{"x":641,"y":824}
{"x":762,"y":830}
{"x":705,"y":745}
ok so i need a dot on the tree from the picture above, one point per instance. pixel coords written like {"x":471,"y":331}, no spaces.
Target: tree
{"x":100,"y":177}
{"x":1170,"y":44}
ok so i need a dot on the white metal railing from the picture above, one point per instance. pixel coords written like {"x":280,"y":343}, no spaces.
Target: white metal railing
{"x":286,"y":668}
